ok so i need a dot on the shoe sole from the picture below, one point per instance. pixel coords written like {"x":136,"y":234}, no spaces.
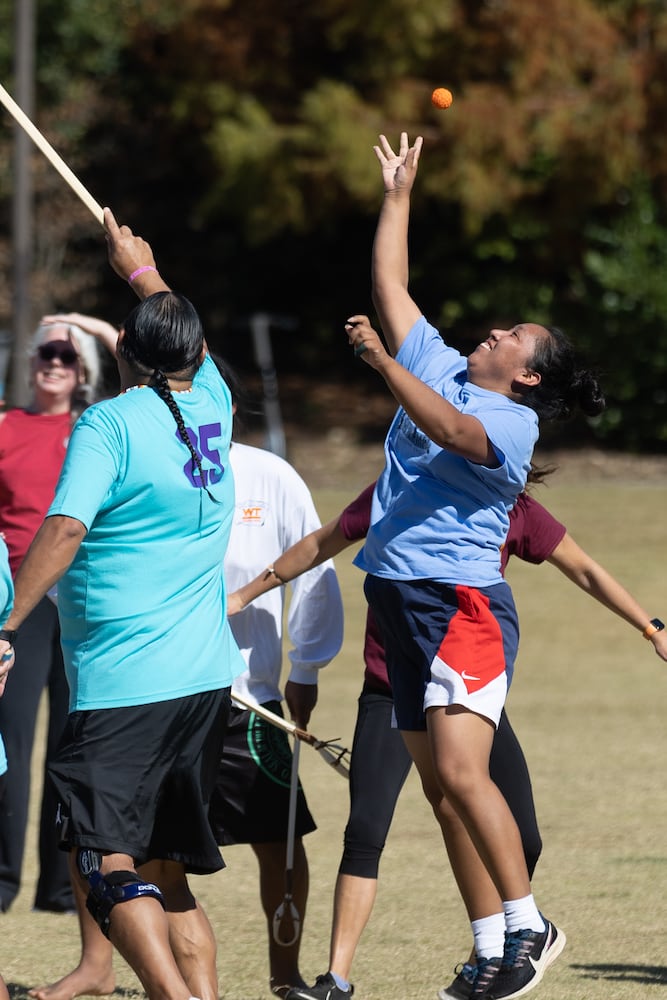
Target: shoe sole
{"x":551,"y":956}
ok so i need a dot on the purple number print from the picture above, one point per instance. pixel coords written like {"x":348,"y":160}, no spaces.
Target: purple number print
{"x":203,"y":441}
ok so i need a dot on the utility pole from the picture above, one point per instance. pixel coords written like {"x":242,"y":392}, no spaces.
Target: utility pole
{"x":260,"y":326}
{"x":22,"y":201}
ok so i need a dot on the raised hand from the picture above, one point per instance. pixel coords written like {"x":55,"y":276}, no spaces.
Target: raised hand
{"x":398,"y":169}
{"x":366,"y":342}
{"x":127,"y":252}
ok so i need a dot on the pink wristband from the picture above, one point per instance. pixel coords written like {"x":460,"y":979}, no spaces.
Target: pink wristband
{"x":141,"y":270}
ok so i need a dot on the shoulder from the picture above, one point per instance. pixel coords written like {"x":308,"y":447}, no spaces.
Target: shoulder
{"x":265,"y":463}
{"x":208,"y":375}
{"x":247,"y":454}
{"x":356,"y":518}
{"x":15,"y":415}
{"x":105,"y":417}
{"x":533,"y":532}
{"x":532,"y":511}
{"x":424,"y":348}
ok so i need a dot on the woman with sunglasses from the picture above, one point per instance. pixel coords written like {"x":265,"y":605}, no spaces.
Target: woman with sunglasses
{"x":65,"y":371}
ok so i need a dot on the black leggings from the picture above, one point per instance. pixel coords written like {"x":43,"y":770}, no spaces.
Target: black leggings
{"x":379,"y":767}
{"x":40,"y":667}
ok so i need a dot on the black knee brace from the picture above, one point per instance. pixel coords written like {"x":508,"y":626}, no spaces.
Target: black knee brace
{"x":116,"y":887}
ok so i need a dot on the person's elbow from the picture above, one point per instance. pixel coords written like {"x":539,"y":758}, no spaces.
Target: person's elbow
{"x":458,"y":440}
{"x":64,"y":534}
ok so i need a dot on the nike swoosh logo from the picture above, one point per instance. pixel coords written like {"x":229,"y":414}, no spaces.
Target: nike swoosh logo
{"x":468,"y":677}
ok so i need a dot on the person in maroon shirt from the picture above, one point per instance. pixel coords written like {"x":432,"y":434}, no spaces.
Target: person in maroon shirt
{"x":380,"y":762}
{"x":65,"y":369}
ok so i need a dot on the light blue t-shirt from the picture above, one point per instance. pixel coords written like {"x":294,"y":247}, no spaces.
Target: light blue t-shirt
{"x":142,"y":606}
{"x":6,"y":604}
{"x":436,"y":515}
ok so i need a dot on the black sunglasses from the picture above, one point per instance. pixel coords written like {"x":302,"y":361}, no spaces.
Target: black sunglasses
{"x":60,"y":349}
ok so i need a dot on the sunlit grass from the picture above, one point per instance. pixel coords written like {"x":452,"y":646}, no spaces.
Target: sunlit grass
{"x":588,"y":704}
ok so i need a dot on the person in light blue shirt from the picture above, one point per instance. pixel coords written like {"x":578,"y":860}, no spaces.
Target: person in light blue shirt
{"x":136,"y":537}
{"x":435,"y":514}
{"x":456,"y":457}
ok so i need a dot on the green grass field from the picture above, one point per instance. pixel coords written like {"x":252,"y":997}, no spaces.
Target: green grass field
{"x":588,"y":703}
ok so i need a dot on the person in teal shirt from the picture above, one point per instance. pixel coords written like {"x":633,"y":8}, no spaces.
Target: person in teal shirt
{"x":6,"y":601}
{"x":136,"y":538}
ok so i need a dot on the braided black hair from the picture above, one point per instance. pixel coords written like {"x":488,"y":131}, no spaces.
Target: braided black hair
{"x":164,"y":331}
{"x":563,"y":386}
{"x":163,"y":336}
{"x":160,"y":384}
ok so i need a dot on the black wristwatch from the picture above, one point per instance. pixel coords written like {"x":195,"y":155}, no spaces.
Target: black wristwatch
{"x":9,"y":635}
{"x":655,"y":625}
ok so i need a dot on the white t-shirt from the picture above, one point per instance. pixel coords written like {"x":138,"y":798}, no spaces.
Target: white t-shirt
{"x":274,"y":509}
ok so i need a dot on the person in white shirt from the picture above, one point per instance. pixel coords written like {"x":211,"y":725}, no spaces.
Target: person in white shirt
{"x":274,"y":508}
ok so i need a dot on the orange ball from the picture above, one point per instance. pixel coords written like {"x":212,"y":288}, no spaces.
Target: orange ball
{"x":441,"y":97}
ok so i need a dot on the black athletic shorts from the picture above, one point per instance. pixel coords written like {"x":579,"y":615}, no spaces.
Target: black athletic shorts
{"x":137,"y":780}
{"x":250,"y":801}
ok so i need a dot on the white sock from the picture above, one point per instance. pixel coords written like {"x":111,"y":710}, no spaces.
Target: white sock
{"x":523,"y":914}
{"x":341,"y":983}
{"x":489,"y":935}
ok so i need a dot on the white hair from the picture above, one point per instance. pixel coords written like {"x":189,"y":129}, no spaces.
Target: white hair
{"x":87,"y":349}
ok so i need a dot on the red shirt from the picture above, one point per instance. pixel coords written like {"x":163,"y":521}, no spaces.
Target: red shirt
{"x":32,"y":451}
{"x":533,"y":535}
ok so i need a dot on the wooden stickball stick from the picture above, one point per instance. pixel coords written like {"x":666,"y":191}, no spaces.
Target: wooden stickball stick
{"x":51,"y":155}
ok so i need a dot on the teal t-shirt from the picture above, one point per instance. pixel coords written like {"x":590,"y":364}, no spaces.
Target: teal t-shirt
{"x":142,"y":606}
{"x":6,"y":603}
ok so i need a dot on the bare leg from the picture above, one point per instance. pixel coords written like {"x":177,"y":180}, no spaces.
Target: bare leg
{"x":4,"y":992}
{"x":190,"y":933}
{"x":139,"y":929}
{"x":353,"y":903}
{"x":283,"y":960}
{"x":452,"y":760}
{"x":94,"y":975}
{"x":460,"y":744}
{"x":476,"y":886}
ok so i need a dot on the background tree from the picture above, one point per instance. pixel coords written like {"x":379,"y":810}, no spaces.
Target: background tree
{"x":237,"y":137}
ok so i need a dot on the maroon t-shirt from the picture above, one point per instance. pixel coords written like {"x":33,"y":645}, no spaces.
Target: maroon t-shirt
{"x":533,"y":535}
{"x":533,"y":532}
{"x":32,"y":451}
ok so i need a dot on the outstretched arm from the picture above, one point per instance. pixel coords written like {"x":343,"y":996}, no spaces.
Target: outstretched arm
{"x":129,"y":254}
{"x":389,"y":270}
{"x":458,"y":433}
{"x":315,"y":548}
{"x":578,"y":566}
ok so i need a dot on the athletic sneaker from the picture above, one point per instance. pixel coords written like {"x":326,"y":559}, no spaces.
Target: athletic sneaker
{"x":324,"y":989}
{"x":527,"y":956}
{"x":461,"y":987}
{"x":472,"y":981}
